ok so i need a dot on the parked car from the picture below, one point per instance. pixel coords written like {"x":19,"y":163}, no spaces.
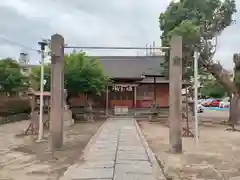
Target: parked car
{"x":207,"y":102}
{"x":200,"y":108}
{"x":215,"y":103}
{"x":225,"y":103}
{"x":202,"y":102}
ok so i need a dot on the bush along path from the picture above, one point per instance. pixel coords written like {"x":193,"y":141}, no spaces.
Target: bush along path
{"x":14,"y":109}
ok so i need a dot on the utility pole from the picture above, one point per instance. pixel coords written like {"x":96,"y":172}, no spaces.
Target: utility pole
{"x":196,"y":84}
{"x":175,"y":95}
{"x":42,"y":44}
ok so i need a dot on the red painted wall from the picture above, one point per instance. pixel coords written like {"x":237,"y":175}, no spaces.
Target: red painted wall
{"x":163,"y":95}
{"x":162,"y":98}
{"x":128,"y":103}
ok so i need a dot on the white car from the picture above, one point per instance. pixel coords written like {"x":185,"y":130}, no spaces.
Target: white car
{"x":200,"y":108}
{"x":225,"y":103}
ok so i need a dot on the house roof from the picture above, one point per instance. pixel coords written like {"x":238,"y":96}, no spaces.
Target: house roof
{"x":132,"y":66}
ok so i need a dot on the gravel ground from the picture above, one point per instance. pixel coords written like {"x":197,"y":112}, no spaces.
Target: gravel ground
{"x":217,"y":157}
{"x":21,"y":158}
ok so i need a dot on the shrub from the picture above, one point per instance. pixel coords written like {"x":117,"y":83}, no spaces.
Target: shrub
{"x":14,"y":105}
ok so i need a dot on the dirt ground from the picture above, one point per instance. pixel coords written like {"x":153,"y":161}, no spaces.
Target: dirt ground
{"x":21,"y":158}
{"x":217,"y":157}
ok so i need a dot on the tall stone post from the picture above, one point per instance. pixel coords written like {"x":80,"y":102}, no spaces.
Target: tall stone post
{"x":57,"y":90}
{"x":135,"y":96}
{"x":175,"y":95}
{"x":107,"y":99}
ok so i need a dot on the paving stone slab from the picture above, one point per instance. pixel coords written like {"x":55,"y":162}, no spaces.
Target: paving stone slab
{"x":103,"y":145}
{"x":139,"y":157}
{"x":99,"y":158}
{"x":94,"y":173}
{"x":130,"y":144}
{"x":140,"y":151}
{"x":101,"y":149}
{"x":106,"y":142}
{"x":97,"y":164}
{"x":132,"y":162}
{"x":135,"y":167}
{"x":92,"y":179}
{"x":131,"y":153}
{"x":129,"y":176}
{"x":102,"y":154}
{"x":130,"y":148}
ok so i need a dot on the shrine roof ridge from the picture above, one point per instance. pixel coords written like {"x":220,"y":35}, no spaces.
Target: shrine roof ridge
{"x":132,"y":66}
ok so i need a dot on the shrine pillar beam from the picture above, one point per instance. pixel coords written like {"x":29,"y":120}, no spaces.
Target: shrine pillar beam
{"x":57,"y":87}
{"x":155,"y":90}
{"x":107,"y":101}
{"x":175,"y":93}
{"x":135,"y":96}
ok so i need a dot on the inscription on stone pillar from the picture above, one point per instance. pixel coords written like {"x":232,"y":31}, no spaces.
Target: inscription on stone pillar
{"x":176,"y":60}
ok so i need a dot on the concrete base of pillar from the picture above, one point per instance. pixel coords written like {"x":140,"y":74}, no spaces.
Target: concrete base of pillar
{"x":67,"y":117}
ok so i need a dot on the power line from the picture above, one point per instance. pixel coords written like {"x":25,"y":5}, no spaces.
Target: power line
{"x":114,"y":48}
{"x":87,"y":47}
{"x":18,"y":44}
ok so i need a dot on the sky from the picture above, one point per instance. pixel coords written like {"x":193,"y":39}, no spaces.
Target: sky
{"x":93,"y":23}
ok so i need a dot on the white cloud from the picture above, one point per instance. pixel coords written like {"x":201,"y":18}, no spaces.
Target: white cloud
{"x":96,"y":23}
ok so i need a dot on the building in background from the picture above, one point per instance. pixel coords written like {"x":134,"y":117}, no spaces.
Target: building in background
{"x":137,"y":82}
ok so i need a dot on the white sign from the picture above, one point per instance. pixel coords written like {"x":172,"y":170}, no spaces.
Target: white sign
{"x":120,"y":110}
{"x":123,"y":87}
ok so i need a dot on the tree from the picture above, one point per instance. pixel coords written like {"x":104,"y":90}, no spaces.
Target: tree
{"x":212,"y":89}
{"x":82,"y":74}
{"x":200,"y":22}
{"x":11,"y":78}
{"x":35,"y":77}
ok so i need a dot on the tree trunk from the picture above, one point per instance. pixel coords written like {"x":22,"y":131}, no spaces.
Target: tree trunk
{"x":224,"y":79}
{"x":234,"y":111}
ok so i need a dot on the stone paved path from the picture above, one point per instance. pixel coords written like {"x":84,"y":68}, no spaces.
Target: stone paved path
{"x":117,"y":153}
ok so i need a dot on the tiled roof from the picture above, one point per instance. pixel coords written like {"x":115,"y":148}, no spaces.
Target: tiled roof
{"x":131,"y":66}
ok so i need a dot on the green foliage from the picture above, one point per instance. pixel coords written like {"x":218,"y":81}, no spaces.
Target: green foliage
{"x":82,"y":74}
{"x":199,"y":22}
{"x":11,"y":78}
{"x":36,"y":75}
{"x":212,"y":89}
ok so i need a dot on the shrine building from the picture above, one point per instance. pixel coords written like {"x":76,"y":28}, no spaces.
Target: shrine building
{"x":137,"y":82}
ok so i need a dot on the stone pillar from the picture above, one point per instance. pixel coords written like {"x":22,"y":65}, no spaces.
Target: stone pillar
{"x":67,"y":113}
{"x":135,"y":96}
{"x":57,"y":90}
{"x":107,"y":99}
{"x":155,"y":90}
{"x":175,"y":100}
